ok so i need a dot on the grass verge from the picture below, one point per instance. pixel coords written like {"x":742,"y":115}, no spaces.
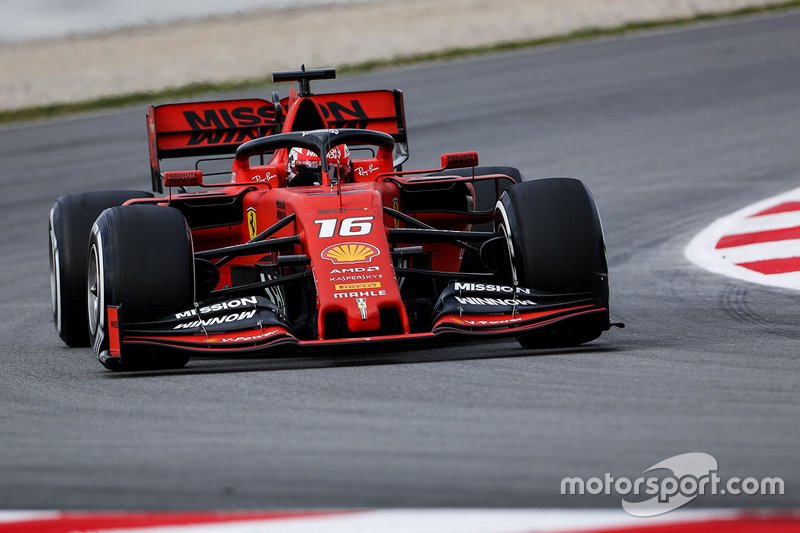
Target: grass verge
{"x":196,"y":89}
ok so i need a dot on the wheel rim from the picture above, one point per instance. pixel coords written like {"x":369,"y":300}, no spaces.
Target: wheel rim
{"x":93,"y":289}
{"x":502,"y":226}
{"x":55,"y":281}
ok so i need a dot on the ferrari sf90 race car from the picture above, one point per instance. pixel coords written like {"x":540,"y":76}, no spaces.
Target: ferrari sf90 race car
{"x":362,"y":252}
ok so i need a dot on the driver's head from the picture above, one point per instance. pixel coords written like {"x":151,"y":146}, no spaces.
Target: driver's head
{"x":305,"y":167}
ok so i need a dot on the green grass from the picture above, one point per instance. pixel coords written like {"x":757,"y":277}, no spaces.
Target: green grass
{"x":197,"y":89}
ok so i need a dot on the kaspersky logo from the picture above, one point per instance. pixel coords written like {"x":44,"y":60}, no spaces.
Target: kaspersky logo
{"x":350,"y":252}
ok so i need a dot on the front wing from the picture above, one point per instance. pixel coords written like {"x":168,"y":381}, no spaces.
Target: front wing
{"x":254,"y":325}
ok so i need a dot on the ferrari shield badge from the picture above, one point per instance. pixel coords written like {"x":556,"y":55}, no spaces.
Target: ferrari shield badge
{"x":252,"y":222}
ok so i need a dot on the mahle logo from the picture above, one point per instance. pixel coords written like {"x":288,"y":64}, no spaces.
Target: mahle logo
{"x":691,"y":475}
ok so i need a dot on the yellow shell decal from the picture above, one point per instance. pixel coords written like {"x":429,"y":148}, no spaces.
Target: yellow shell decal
{"x":350,"y":252}
{"x":252,"y":222}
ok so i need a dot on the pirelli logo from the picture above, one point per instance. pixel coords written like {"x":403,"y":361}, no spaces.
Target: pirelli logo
{"x":358,"y":286}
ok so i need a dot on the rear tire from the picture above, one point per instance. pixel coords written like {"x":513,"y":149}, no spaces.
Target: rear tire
{"x":141,"y":259}
{"x":556,"y":244}
{"x":71,"y":220}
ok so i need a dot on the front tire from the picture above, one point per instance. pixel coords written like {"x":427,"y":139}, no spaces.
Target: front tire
{"x":141,"y":259}
{"x":555,"y":242}
{"x":71,"y":220}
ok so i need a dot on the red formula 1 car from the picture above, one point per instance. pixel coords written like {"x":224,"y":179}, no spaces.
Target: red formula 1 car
{"x":367,"y":253}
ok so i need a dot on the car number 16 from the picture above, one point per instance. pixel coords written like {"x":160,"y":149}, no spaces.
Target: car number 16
{"x":350,"y":227}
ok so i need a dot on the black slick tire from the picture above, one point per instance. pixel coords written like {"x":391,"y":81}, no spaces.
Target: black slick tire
{"x":71,"y":219}
{"x":141,"y":259}
{"x":555,"y":242}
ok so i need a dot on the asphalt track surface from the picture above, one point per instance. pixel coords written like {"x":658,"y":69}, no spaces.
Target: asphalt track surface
{"x":669,"y":130}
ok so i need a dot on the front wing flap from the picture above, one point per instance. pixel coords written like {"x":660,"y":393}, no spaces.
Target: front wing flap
{"x":481,"y":308}
{"x":237,"y":324}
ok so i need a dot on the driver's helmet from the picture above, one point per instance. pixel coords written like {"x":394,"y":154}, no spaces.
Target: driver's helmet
{"x":305,"y":167}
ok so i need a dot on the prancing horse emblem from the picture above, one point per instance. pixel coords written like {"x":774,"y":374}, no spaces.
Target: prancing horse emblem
{"x":252,"y":223}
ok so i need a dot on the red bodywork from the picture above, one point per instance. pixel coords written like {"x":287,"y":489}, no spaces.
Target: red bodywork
{"x":343,"y":229}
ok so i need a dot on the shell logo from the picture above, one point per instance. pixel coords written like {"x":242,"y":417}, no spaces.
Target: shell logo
{"x":350,"y":252}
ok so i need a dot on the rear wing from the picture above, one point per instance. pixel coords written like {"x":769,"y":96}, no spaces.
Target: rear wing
{"x":381,"y":110}
{"x":199,"y":129}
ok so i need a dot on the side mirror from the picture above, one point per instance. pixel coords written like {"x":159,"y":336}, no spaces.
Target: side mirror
{"x":459,"y":160}
{"x":183,"y":178}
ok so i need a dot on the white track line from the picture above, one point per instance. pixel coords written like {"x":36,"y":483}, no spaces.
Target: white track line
{"x":446,"y":521}
{"x":768,"y":222}
{"x":23,"y":516}
{"x":702,"y":249}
